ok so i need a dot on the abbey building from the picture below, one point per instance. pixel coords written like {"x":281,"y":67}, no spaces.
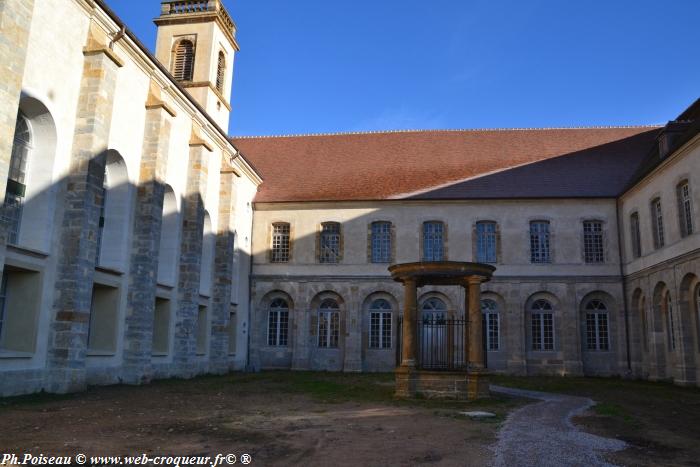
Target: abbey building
{"x":140,"y":242}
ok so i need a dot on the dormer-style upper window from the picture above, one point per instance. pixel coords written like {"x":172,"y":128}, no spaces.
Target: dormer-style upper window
{"x":183,"y":63}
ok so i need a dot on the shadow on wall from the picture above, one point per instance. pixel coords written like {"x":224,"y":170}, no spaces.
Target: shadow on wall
{"x":107,"y":281}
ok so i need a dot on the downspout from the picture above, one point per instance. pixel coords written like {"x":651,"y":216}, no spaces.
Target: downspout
{"x":624,"y":284}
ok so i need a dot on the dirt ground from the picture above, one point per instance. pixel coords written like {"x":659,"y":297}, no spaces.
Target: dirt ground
{"x":277,"y":418}
{"x":660,"y":421}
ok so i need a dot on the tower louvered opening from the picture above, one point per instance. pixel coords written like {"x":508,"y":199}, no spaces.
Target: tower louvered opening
{"x":183,"y":65}
{"x":221,"y":72}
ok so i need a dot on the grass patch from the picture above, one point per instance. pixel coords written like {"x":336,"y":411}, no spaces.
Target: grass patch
{"x":607,"y":409}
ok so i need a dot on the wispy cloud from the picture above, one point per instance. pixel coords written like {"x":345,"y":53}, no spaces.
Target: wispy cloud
{"x":401,"y":118}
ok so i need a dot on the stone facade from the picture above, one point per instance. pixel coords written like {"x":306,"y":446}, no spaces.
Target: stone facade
{"x":115,"y":255}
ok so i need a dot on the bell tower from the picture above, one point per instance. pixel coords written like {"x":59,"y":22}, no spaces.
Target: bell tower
{"x":196,"y":42}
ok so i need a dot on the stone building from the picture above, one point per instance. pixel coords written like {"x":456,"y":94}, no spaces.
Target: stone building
{"x":139,"y":241}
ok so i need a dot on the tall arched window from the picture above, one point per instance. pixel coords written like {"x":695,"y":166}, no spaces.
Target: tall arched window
{"x":380,"y":324}
{"x":669,"y":323}
{"x":597,"y":332}
{"x":115,"y":211}
{"x":278,"y":323}
{"x":183,"y":62}
{"x":328,"y":324}
{"x":542,"y":325}
{"x":208,"y":247}
{"x":16,"y":187}
{"x":221,"y":72}
{"x":489,"y":310}
{"x":434,"y":310}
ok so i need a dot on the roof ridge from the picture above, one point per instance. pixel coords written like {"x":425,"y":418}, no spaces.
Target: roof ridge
{"x":446,"y":130}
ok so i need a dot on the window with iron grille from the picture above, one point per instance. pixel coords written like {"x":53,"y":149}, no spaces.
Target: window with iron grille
{"x":280,"y":243}
{"x":593,"y":248}
{"x":542,"y":325}
{"x":221,"y":72}
{"x":15,"y":191}
{"x":183,"y":63}
{"x":657,"y":223}
{"x":486,"y":242}
{"x":329,"y":243}
{"x":489,"y":310}
{"x":671,"y":329}
{"x":433,"y":241}
{"x":597,"y":335}
{"x":278,"y":323}
{"x":685,"y":209}
{"x":328,"y":324}
{"x":635,"y":235}
{"x":381,"y":242}
{"x":380,"y":324}
{"x":539,"y":242}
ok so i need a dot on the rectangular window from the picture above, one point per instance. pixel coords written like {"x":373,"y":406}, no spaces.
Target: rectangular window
{"x":381,"y":242}
{"x":657,"y":222}
{"x":330,"y":243}
{"x":202,"y":330}
{"x":593,"y":251}
{"x":104,"y":311}
{"x":380,"y":330}
{"x":490,"y":324}
{"x":433,"y":241}
{"x":486,"y":242}
{"x":328,"y":329}
{"x":635,"y":235}
{"x":539,"y":242}
{"x":20,"y":302}
{"x":542,"y":331}
{"x":597,"y":331}
{"x":278,"y":327}
{"x":232,"y":331}
{"x":685,"y":209}
{"x":280,"y":243}
{"x":161,"y":326}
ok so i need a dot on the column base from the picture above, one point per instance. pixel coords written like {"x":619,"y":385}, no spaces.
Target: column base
{"x":456,"y":385}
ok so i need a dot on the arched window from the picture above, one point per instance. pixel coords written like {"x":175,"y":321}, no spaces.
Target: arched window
{"x":433,"y":241}
{"x":597,"y":332}
{"x":542,"y":325}
{"x":330,"y":243}
{"x":169,"y":235}
{"x":669,"y":323}
{"x":489,"y":310}
{"x":434,"y":310}
{"x":183,"y":63}
{"x":328,"y":324}
{"x":278,"y":323}
{"x":221,"y":72}
{"x":207,"y":266}
{"x":381,"y":242}
{"x":380,"y":324}
{"x":115,"y":211}
{"x":16,"y":176}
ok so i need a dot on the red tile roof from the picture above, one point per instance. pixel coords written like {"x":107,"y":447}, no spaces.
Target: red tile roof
{"x":448,"y":164}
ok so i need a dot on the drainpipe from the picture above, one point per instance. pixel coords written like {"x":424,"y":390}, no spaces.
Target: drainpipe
{"x":624,"y":284}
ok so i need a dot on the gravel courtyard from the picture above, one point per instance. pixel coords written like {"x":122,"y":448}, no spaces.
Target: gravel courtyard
{"x":283,"y":418}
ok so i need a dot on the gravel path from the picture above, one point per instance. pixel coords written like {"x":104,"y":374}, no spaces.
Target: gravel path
{"x":542,"y":434}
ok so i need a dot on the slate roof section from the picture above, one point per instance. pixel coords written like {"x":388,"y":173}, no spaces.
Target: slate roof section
{"x":448,"y":164}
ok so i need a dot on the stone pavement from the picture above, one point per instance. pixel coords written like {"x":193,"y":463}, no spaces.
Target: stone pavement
{"x":541,"y":434}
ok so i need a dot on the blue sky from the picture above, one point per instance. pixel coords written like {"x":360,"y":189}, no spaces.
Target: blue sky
{"x":319,"y":66}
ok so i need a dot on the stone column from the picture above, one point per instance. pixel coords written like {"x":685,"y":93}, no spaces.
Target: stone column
{"x":15,"y":21}
{"x":143,"y":272}
{"x":223,"y":272}
{"x":80,"y":224}
{"x":408,"y":351}
{"x":476,"y":343}
{"x":185,"y":345}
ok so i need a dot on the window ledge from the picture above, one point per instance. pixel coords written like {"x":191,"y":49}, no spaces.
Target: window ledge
{"x":15,"y":354}
{"x":159,"y":354}
{"x":113,"y":272}
{"x":27,"y":251}
{"x":101,"y":353}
